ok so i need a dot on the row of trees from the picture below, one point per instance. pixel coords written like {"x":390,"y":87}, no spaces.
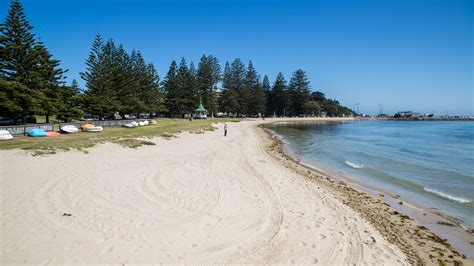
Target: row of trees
{"x":32,"y":83}
{"x":243,"y":92}
{"x":120,"y":82}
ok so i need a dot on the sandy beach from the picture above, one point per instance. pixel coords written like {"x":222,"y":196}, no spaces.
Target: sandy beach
{"x":197,"y":198}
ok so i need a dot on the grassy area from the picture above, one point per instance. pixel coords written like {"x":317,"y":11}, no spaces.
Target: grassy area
{"x":127,"y":137}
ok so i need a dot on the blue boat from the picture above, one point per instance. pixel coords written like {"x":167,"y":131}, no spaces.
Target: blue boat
{"x":37,"y":132}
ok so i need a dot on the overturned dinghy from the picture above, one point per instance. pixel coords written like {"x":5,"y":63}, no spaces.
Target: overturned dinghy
{"x":129,"y":125}
{"x":70,"y":129}
{"x":5,"y":135}
{"x":91,"y":128}
{"x":143,"y":123}
{"x":37,"y":132}
{"x":53,"y":134}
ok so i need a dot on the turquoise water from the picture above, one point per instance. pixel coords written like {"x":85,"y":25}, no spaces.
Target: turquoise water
{"x":429,"y":163}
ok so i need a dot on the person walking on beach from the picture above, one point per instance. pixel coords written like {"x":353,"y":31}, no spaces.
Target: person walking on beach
{"x":225,"y":129}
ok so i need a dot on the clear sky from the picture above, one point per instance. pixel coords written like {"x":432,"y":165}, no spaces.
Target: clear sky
{"x":406,"y":55}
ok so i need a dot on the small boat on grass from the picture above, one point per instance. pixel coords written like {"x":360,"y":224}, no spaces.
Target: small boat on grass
{"x":129,"y":125}
{"x":69,"y":129}
{"x":91,"y":128}
{"x":37,"y":132}
{"x":5,"y":135}
{"x":143,"y":123}
{"x":53,"y":134}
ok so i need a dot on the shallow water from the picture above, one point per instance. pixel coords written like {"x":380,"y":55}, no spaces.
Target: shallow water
{"x":429,"y":163}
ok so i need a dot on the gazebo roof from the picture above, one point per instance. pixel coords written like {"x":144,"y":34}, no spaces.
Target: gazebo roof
{"x":201,"y":107}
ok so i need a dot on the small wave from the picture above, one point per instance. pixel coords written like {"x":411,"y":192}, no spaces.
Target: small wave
{"x":354,"y":165}
{"x":447,"y":196}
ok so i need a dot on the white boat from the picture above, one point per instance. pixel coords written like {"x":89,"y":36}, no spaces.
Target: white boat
{"x":70,"y":129}
{"x":5,"y":135}
{"x":134,"y":123}
{"x":129,"y":125}
{"x":143,"y":123}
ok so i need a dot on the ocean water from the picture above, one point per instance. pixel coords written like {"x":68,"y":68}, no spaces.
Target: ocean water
{"x":428,"y":163}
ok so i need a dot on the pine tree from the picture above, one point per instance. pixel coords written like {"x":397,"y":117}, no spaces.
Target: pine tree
{"x":154,"y":96}
{"x":100,"y":97}
{"x":71,"y":107}
{"x":188,"y":99}
{"x":47,"y":77}
{"x":266,"y":88}
{"x":180,"y":85}
{"x":208,"y":75}
{"x":280,"y":97}
{"x":253,"y":92}
{"x":170,"y":87}
{"x":299,"y":93}
{"x":234,"y":80}
{"x":17,"y":46}
{"x":129,"y":73}
{"x":28,"y":62}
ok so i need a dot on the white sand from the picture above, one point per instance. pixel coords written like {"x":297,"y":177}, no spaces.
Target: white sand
{"x":200,"y":198}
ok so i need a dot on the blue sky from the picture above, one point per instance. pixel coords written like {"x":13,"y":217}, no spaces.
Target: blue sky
{"x":407,"y":55}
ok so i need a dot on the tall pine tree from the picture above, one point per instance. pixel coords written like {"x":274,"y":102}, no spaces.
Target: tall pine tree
{"x":253,"y":92}
{"x":228,"y":101}
{"x":208,"y":75}
{"x":266,"y":88}
{"x":154,"y":96}
{"x":280,"y":97}
{"x":17,"y":46}
{"x":47,"y":77}
{"x":100,"y":98}
{"x":234,"y":80}
{"x":170,"y":88}
{"x":24,"y":60}
{"x":299,"y":92}
{"x":180,"y":85}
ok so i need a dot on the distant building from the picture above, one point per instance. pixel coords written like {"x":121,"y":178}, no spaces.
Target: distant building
{"x":323,"y":114}
{"x":407,"y":114}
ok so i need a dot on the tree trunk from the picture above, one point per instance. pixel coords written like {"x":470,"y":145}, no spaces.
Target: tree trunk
{"x":47,"y":118}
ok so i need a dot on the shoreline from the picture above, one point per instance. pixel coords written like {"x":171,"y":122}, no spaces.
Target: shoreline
{"x":388,"y":204}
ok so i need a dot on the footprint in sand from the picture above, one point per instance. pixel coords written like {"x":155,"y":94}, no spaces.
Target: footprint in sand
{"x":323,"y":236}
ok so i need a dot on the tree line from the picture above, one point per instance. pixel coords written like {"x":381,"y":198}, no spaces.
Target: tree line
{"x":121,"y":82}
